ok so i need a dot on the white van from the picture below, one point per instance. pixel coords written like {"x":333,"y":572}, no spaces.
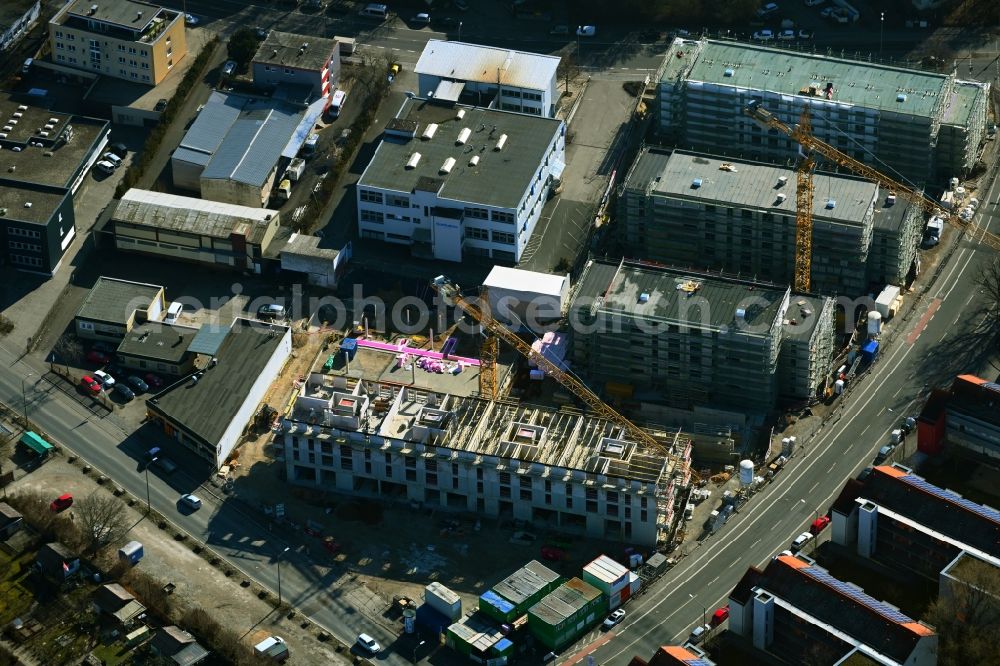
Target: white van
{"x":337,"y":103}
{"x":173,"y":312}
{"x":375,"y":10}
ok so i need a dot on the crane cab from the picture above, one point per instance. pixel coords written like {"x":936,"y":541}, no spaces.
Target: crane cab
{"x":445,"y":288}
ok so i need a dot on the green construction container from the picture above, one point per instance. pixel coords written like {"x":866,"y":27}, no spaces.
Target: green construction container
{"x":479,"y":638}
{"x":566,"y":613}
{"x":513,"y":596}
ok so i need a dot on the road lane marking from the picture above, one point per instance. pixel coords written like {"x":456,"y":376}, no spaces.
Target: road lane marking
{"x":922,"y":324}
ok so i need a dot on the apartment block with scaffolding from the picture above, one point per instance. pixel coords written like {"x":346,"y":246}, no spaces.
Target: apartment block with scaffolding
{"x":686,"y":338}
{"x":914,"y":125}
{"x":399,"y":432}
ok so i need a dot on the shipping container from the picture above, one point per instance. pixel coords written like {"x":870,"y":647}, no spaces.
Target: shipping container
{"x":350,"y":347}
{"x":566,"y":613}
{"x":514,"y":595}
{"x":131,"y":552}
{"x":443,"y":600}
{"x":430,"y":619}
{"x":606,"y":575}
{"x":480,"y":639}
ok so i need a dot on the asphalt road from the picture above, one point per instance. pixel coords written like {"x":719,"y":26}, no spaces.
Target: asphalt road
{"x":926,"y":351}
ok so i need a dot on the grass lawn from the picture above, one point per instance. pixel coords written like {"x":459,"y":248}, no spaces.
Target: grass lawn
{"x":113,"y":654}
{"x":15,"y":599}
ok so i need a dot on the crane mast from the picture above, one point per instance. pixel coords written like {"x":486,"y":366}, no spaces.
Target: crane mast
{"x":452,"y":296}
{"x":804,"y":137}
{"x":804,"y":214}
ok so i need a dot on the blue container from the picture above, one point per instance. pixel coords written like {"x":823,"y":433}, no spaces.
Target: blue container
{"x":869,"y":351}
{"x":350,"y":346}
{"x":131,"y":552}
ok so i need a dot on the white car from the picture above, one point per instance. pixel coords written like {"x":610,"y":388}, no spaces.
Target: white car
{"x":586,"y":31}
{"x":422,"y":17}
{"x":787,"y":35}
{"x":229,"y":67}
{"x":769,"y":8}
{"x":111,"y":157}
{"x":614,"y":618}
{"x":105,"y":166}
{"x":801,"y":540}
{"x":106,"y":380}
{"x":764,"y":35}
{"x":369,"y":643}
{"x":191,"y":501}
{"x":190,"y":19}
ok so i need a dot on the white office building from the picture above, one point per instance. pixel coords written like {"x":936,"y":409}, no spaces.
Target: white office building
{"x":454,"y":182}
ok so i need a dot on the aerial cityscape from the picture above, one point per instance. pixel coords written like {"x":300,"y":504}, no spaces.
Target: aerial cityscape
{"x":541,"y":332}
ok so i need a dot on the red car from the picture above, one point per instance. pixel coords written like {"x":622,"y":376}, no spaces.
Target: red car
{"x":720,"y":615}
{"x":153,"y":380}
{"x":61,"y":503}
{"x":819,"y":524}
{"x":90,"y":385}
{"x":95,"y":356}
{"x":552,"y":553}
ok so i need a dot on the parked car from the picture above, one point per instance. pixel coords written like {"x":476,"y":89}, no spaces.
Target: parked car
{"x":106,"y":380}
{"x":105,"y":167}
{"x":586,"y":31}
{"x":369,"y":644}
{"x":271,"y":311}
{"x":61,"y":503}
{"x":153,"y":380}
{"x":124,"y":392}
{"x":393,"y":71}
{"x":764,"y":35}
{"x":96,"y":356}
{"x":883,"y":454}
{"x":720,"y":615}
{"x":423,"y":18}
{"x":191,"y":19}
{"x":136,"y":383}
{"x":787,"y":35}
{"x":908,"y":425}
{"x":699,"y":633}
{"x":190,"y":502}
{"x":111,"y":157}
{"x":161,"y":105}
{"x":89,"y":385}
{"x":119,"y":149}
{"x":805,"y":34}
{"x":166,"y":464}
{"x":801,"y":540}
{"x":261,"y":32}
{"x":819,"y":524}
{"x":229,"y":67}
{"x":769,"y":8}
{"x":613,"y":619}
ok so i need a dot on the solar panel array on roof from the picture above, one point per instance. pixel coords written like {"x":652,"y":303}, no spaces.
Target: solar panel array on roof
{"x":979,"y":509}
{"x":857,"y":595}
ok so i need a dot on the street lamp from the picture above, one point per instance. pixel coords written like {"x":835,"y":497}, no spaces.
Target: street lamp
{"x":278,"y":562}
{"x":24,"y":400}
{"x":881,"y":31}
{"x":415,"y":648}
{"x":459,"y":31}
{"x":149,"y":464}
{"x":704,"y":612}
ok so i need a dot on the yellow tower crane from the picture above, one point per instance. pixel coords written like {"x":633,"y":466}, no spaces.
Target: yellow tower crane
{"x":804,"y":213}
{"x":803,"y":136}
{"x":451,"y":295}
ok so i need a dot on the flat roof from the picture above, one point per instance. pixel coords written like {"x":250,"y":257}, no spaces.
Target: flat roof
{"x":525,"y":582}
{"x":802,"y":316}
{"x":129,"y":14}
{"x":28,"y":202}
{"x":207,"y":407}
{"x":48,"y":159}
{"x":516,"y":279}
{"x":563,"y":602}
{"x":240,"y":138}
{"x":460,"y":61}
{"x":755,"y":67}
{"x":304,"y":245}
{"x":961,"y":101}
{"x":155,"y":340}
{"x":657,"y":293}
{"x":114,"y":301}
{"x":500,"y":178}
{"x":745,"y":184}
{"x":193,"y":215}
{"x":890,"y":216}
{"x":288,"y":49}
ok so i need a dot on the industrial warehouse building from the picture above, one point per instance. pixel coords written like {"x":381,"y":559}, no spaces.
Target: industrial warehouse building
{"x":372,"y":424}
{"x":455,"y":182}
{"x":114,"y":307}
{"x":489,"y":77}
{"x":190,"y":229}
{"x":209,"y":412}
{"x":238,"y":144}
{"x":690,"y":339}
{"x":705,"y":212}
{"x":910,"y":124}
{"x":46,"y":156}
{"x":796,"y":612}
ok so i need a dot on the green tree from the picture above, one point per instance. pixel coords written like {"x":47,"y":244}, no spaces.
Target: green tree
{"x":967,"y":616}
{"x":242,"y":45}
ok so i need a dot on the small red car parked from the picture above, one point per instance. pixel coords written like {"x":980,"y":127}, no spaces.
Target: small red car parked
{"x":61,"y":503}
{"x":95,"y":356}
{"x":819,"y":524}
{"x":720,"y":615}
{"x":90,"y":385}
{"x":553,"y":554}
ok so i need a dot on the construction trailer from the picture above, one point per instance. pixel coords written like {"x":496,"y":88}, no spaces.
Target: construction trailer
{"x":566,"y":613}
{"x":512,"y":597}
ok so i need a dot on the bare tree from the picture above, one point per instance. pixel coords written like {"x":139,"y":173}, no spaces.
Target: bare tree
{"x":989,"y":281}
{"x":568,"y":68}
{"x":68,"y":349}
{"x":967,"y":616}
{"x":102,"y":519}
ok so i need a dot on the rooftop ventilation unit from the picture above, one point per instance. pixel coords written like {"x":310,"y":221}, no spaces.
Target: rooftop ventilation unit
{"x":50,"y":126}
{"x":138,"y":16}
{"x":22,"y":107}
{"x":429,"y":131}
{"x":782,"y":180}
{"x":890,"y":200}
{"x":413,"y":161}
{"x":12,"y":121}
{"x":696,"y":183}
{"x":3,"y":135}
{"x":460,"y":114}
{"x":18,"y":114}
{"x":93,"y":10}
{"x":53,"y":120}
{"x":463,"y":136}
{"x":448,"y":164}
{"x":900,"y":97}
{"x":501,"y":142}
{"x":474,"y":161}
{"x":831,"y":204}
{"x":729,"y":72}
{"x":43,"y":133}
{"x":27,"y":204}
{"x":781,"y":197}
{"x":8,"y":128}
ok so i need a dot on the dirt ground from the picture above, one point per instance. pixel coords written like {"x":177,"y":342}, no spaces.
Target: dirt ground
{"x":201,"y":585}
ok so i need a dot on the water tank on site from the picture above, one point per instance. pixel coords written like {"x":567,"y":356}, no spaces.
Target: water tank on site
{"x":874,"y":324}
{"x":746,"y":472}
{"x":409,"y":620}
